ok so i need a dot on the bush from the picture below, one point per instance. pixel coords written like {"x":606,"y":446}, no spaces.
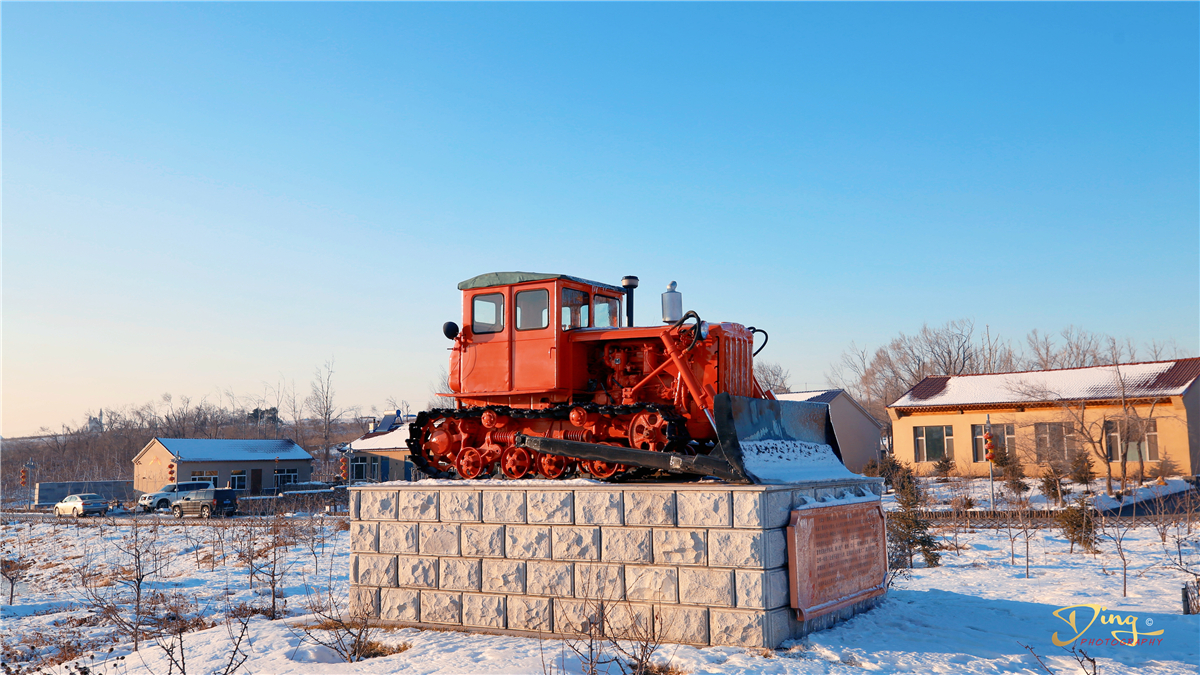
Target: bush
{"x":1053,"y":485}
{"x":907,"y":533}
{"x":942,"y":469}
{"x":888,"y":468}
{"x":1082,"y":470}
{"x":871,"y":469}
{"x":1078,"y":523}
{"x":1014,"y":474}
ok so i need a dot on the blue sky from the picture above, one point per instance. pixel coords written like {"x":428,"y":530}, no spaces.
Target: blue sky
{"x":200,"y":197}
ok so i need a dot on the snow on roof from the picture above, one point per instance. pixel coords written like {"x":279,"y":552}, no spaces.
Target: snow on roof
{"x":1130,"y":380}
{"x":233,"y":450}
{"x":816,"y":395}
{"x":396,"y":439}
{"x":509,"y":278}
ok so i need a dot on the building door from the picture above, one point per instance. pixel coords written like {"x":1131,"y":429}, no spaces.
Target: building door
{"x":485,"y":364}
{"x":533,"y":340}
{"x":255,"y":481}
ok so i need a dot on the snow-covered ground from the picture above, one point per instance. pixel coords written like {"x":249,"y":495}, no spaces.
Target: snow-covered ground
{"x":971,"y":615}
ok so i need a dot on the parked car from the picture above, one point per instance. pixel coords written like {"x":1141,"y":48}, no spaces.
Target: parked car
{"x":81,"y":505}
{"x":206,"y":503}
{"x":168,"y":494}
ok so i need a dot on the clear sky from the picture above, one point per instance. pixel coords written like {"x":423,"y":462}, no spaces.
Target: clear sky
{"x":200,"y":197}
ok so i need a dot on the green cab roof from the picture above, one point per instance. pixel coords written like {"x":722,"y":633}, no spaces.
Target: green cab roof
{"x":510,"y":278}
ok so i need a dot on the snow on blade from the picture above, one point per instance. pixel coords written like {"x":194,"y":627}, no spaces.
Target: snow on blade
{"x":776,"y":462}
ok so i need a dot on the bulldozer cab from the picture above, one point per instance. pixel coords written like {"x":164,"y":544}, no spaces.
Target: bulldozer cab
{"x":513,"y":343}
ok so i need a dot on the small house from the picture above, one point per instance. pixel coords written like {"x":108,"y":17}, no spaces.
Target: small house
{"x":241,"y":464}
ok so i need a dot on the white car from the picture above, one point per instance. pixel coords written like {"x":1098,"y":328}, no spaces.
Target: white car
{"x":164,"y":498}
{"x":81,"y":505}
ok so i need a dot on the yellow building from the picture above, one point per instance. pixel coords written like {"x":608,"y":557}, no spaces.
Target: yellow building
{"x":1148,"y":411}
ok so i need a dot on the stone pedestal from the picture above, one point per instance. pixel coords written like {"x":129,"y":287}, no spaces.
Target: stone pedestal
{"x":705,"y":562}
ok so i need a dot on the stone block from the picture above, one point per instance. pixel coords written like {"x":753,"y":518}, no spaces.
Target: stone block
{"x":399,"y":604}
{"x":549,"y":507}
{"x":527,"y":541}
{"x":600,"y":582}
{"x":375,"y":570}
{"x":487,"y":611}
{"x":549,"y":578}
{"x":680,"y":547}
{"x":778,"y":508}
{"x":654,"y":583}
{"x":575,"y":543}
{"x":504,"y":576}
{"x":459,"y":506}
{"x":397,"y":538}
{"x":704,"y":509}
{"x":364,"y":537}
{"x":504,"y":506}
{"x":626,"y":544}
{"x":737,"y":628}
{"x":377,"y":505}
{"x":528,"y":613}
{"x":353,"y":506}
{"x":364,"y":602}
{"x":736,"y":548}
{"x":629,"y":621}
{"x":761,"y":589}
{"x":418,"y":505}
{"x":776,"y":548}
{"x":748,"y":509}
{"x":439,"y":539}
{"x":706,"y":586}
{"x":781,"y":625}
{"x":415,"y":572}
{"x":688,"y":625}
{"x":461,"y":574}
{"x":575,"y":617}
{"x":441,"y":607}
{"x":655,"y":507}
{"x":599,"y":508}
{"x":485,"y":541}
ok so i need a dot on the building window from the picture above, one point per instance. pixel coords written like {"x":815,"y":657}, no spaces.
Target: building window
{"x":364,"y":467}
{"x":1117,"y":435}
{"x":286,"y":477}
{"x":1055,"y":441}
{"x":1004,"y":437}
{"x":487,"y":313}
{"x":574,"y":309}
{"x":933,"y":443}
{"x":237,"y":479}
{"x":533,"y":309}
{"x":201,"y":476}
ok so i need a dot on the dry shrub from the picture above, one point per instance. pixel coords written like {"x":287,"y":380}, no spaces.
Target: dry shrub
{"x":670,"y":668}
{"x":243,"y":610}
{"x":374,"y":648}
{"x":343,"y":525}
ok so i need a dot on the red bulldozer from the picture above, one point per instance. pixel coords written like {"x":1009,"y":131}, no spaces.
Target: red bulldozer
{"x":547,"y":383}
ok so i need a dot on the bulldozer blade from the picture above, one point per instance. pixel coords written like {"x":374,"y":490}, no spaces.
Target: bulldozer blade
{"x":770,"y":441}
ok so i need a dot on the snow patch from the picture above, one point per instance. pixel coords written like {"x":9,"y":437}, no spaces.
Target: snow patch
{"x":776,"y":461}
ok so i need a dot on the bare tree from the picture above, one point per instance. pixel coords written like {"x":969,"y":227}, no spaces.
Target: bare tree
{"x":16,"y":560}
{"x":323,"y":404}
{"x":772,"y":377}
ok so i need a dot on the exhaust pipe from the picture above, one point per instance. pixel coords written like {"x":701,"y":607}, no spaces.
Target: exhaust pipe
{"x":629,"y":283}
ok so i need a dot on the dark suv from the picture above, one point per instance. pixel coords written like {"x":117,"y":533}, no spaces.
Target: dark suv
{"x":206,"y":503}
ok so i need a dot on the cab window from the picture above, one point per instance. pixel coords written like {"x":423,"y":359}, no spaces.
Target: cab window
{"x":533,"y":309}
{"x":487,"y":313}
{"x":608,"y":312}
{"x":574,"y":309}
